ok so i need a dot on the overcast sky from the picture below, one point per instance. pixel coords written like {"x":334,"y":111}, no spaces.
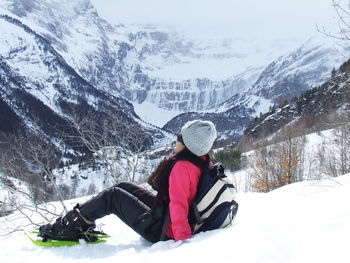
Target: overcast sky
{"x":224,"y":17}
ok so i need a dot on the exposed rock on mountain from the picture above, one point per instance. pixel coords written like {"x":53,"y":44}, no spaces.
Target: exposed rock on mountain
{"x":37,"y":85}
{"x":331,"y":96}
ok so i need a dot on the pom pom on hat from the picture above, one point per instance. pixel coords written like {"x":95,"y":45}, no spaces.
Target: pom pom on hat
{"x":199,"y":136}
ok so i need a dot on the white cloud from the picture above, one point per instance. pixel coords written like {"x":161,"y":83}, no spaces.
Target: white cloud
{"x":223,"y":17}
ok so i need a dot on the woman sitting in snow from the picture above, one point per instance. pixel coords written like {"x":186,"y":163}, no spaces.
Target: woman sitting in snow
{"x":144,"y":212}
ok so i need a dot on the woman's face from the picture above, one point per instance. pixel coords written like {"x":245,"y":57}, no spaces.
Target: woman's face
{"x":179,"y":147}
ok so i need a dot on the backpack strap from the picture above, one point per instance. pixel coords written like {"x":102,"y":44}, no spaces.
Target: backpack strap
{"x":165,"y":224}
{"x":195,"y":160}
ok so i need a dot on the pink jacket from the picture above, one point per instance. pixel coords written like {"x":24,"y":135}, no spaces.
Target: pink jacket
{"x":183,"y":182}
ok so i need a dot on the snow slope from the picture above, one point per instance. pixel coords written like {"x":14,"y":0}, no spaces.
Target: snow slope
{"x":302,"y":222}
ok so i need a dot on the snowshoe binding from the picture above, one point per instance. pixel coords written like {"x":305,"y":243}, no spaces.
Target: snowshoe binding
{"x":72,"y":227}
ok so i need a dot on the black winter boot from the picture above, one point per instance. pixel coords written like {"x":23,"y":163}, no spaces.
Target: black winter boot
{"x":73,"y":226}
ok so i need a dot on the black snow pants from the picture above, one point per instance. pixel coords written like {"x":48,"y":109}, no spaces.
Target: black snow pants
{"x":132,"y":204}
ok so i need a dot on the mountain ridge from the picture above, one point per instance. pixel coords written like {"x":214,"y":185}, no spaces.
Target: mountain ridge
{"x":313,"y":108}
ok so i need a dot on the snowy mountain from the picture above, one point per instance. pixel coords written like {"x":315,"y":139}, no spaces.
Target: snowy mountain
{"x":293,"y":73}
{"x":164,"y":74}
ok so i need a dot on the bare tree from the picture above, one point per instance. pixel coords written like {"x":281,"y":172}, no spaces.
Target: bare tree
{"x":289,"y":154}
{"x":278,"y":164}
{"x":334,"y":152}
{"x":342,"y":11}
{"x":116,"y":145}
{"x":263,"y":170}
{"x":26,"y":176}
{"x":30,"y":162}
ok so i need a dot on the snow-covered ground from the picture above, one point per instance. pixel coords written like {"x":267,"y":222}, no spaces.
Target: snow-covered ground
{"x":302,"y":222}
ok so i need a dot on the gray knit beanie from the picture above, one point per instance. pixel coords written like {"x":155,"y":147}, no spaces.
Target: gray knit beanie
{"x":199,"y":136}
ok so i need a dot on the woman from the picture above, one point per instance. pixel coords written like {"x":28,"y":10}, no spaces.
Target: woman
{"x":175,"y":180}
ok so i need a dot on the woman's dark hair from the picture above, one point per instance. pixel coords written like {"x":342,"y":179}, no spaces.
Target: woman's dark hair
{"x":159,"y":179}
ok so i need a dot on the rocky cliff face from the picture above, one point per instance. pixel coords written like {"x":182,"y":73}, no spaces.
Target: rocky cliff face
{"x":292,"y":74}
